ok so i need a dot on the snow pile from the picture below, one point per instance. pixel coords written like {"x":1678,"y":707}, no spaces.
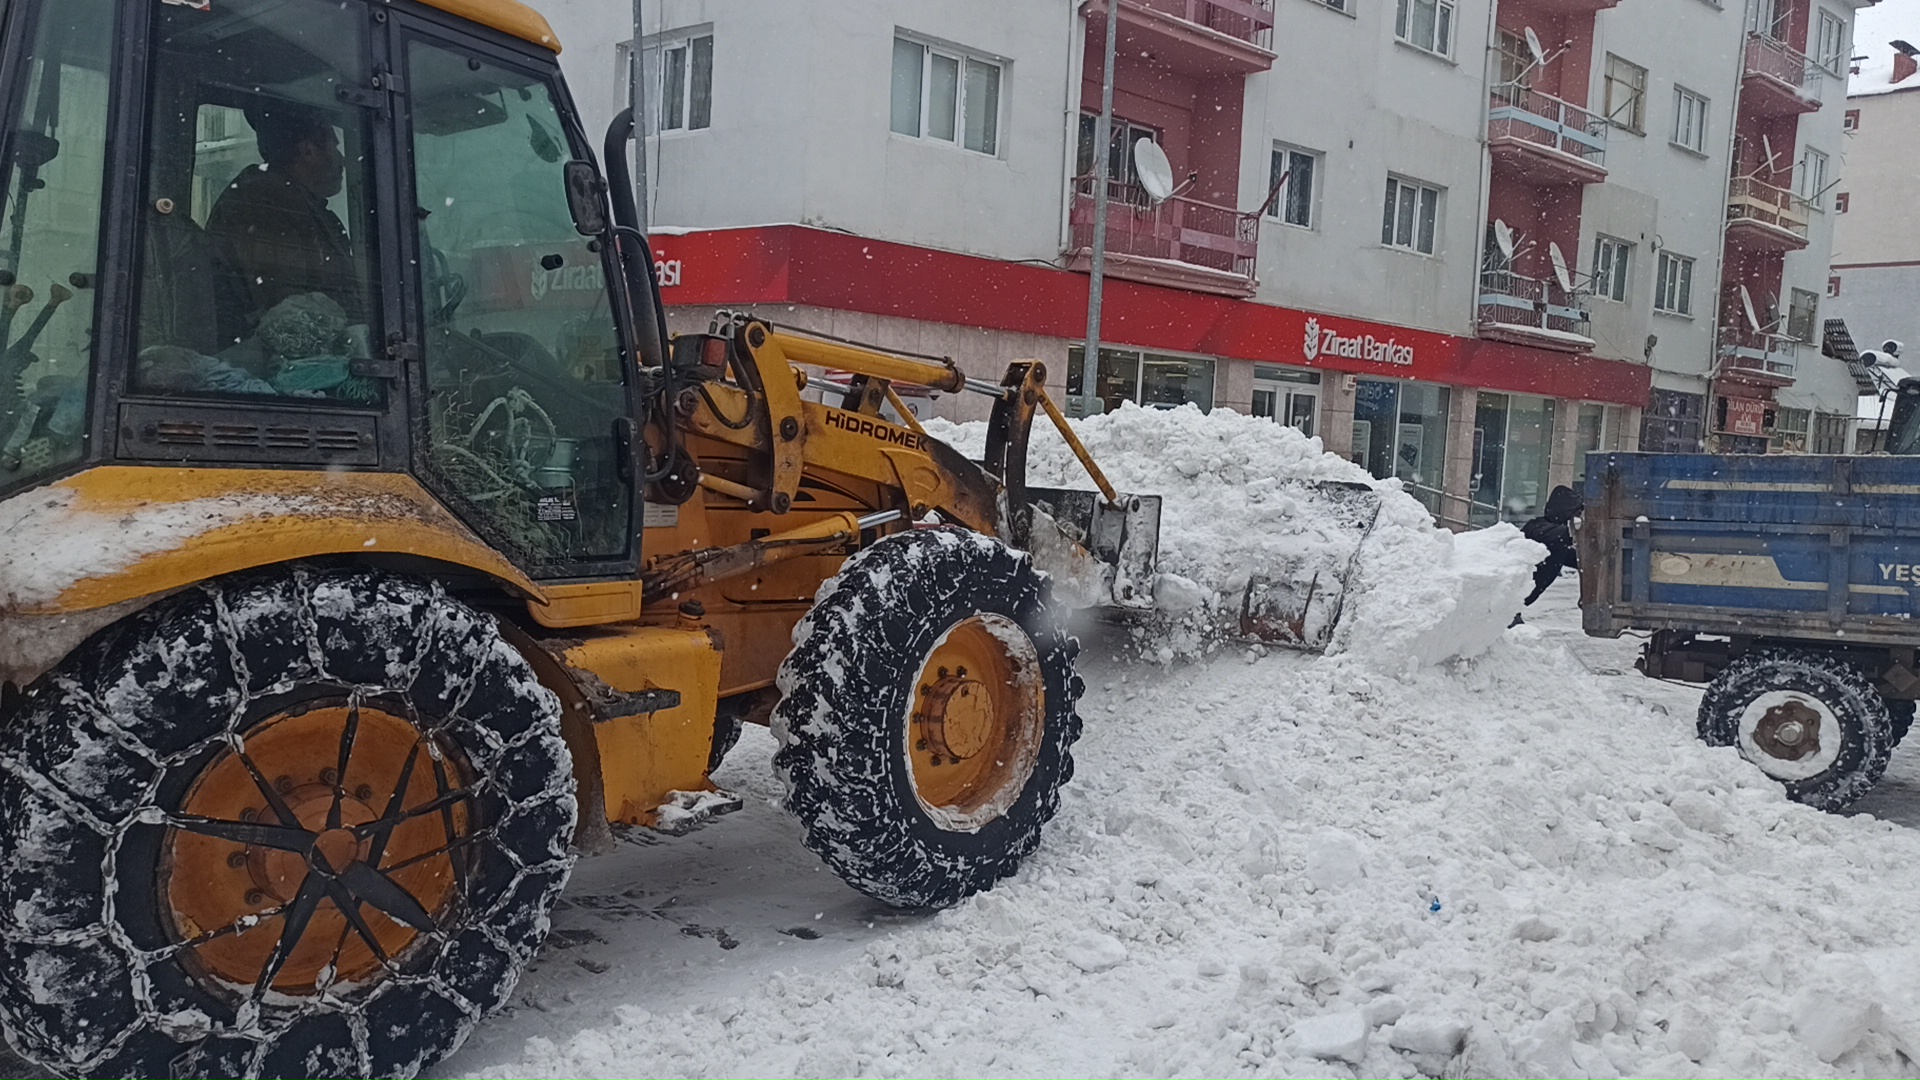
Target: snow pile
{"x":1241,"y":500}
{"x":1304,"y":866}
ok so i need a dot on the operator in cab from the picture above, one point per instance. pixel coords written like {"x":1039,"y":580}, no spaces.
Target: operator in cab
{"x":272,"y":231}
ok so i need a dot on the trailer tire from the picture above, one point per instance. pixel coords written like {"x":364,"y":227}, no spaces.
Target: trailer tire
{"x":355,"y":745}
{"x":1813,"y":722}
{"x":1900,"y":710}
{"x":927,"y":716}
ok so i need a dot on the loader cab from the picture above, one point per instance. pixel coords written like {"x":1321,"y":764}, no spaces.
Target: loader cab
{"x":312,"y":235}
{"x":1903,"y":430}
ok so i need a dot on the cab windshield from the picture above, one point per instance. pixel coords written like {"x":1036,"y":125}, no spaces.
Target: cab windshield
{"x":52,"y":168}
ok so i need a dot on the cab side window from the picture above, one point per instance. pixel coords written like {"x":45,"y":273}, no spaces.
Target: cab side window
{"x":258,"y":273}
{"x":525,"y":385}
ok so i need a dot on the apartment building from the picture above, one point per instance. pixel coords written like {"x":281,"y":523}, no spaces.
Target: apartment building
{"x":1377,"y":204}
{"x":1875,"y":275}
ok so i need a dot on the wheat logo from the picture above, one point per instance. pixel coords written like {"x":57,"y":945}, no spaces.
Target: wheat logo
{"x":1313,"y":338}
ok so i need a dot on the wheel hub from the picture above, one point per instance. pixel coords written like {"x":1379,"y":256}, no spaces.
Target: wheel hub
{"x":978,"y":716}
{"x":315,"y":851}
{"x":1789,"y":731}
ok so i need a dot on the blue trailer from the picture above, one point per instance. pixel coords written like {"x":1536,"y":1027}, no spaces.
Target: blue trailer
{"x":1788,"y":584}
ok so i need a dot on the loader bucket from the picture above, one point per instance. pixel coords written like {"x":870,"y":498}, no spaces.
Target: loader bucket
{"x":1100,"y":554}
{"x":1294,"y":600}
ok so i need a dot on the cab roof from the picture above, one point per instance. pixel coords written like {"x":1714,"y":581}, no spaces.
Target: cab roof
{"x":506,"y":16}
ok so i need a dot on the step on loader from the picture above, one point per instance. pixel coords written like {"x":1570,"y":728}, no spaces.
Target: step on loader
{"x":371,"y":550}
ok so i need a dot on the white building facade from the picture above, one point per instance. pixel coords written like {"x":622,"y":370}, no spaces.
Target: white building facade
{"x":1373,"y":197}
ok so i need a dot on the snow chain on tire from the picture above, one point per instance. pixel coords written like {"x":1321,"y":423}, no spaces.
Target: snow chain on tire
{"x":848,"y":689}
{"x":95,"y":977}
{"x":1866,"y":728}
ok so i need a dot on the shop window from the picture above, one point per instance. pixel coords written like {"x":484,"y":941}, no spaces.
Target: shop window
{"x":1790,"y":431}
{"x":1400,"y":430}
{"x":1151,"y":379}
{"x":1589,"y":434}
{"x":1830,"y":433}
{"x":1512,"y":439}
{"x":1674,"y":423}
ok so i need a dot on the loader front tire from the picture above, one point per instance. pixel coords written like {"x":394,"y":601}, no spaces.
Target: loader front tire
{"x":927,"y":716}
{"x":1815,"y":723}
{"x":301,"y":823}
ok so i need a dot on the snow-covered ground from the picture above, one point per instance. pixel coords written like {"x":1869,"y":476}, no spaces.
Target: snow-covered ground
{"x":1285,"y":865}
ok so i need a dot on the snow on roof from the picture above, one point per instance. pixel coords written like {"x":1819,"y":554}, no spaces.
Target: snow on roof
{"x":1874,"y":30}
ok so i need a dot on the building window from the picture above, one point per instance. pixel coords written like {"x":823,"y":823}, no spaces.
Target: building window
{"x":1813,"y":176}
{"x":1516,"y":65}
{"x":1673,"y":287}
{"x":1610,"y":261}
{"x":1850,"y":120}
{"x":1626,"y":95}
{"x":1802,"y":306}
{"x":1122,"y":169}
{"x":1426,"y":24}
{"x":1689,"y":120}
{"x":1151,"y":379}
{"x":946,"y":96}
{"x":1833,"y":285}
{"x":1830,"y":433}
{"x":1412,"y":216}
{"x":1295,"y":171}
{"x":683,"y":82}
{"x":1790,"y":431}
{"x":1340,"y":5}
{"x":1832,"y":42}
{"x":1674,"y":423}
{"x":1842,"y":201}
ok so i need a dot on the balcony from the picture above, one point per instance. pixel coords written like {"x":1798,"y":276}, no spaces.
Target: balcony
{"x":1751,"y":356}
{"x":1544,"y":140}
{"x":1761,"y":217}
{"x":1183,"y":243}
{"x":1201,"y":39}
{"x":1778,"y":80}
{"x":1530,"y":311}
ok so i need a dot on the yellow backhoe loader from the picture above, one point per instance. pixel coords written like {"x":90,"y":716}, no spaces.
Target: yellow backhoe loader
{"x":370,"y":549}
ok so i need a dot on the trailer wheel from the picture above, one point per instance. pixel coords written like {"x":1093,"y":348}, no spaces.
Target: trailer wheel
{"x":927,"y":716}
{"x":305,"y":823}
{"x":1812,"y":722}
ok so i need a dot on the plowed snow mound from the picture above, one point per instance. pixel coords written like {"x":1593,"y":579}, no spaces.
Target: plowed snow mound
{"x":1239,"y":502}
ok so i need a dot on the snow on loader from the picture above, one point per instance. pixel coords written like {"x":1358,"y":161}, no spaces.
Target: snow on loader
{"x":370,"y":546}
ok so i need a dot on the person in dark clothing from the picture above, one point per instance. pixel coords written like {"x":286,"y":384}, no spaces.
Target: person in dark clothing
{"x":272,"y":230}
{"x":1554,"y":530}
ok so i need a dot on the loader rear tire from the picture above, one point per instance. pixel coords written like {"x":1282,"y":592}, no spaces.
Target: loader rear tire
{"x":301,"y":823}
{"x":1813,"y":722}
{"x":927,"y":717}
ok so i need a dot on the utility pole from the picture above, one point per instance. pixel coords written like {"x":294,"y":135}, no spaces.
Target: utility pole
{"x":637,"y":97}
{"x":1102,"y":147}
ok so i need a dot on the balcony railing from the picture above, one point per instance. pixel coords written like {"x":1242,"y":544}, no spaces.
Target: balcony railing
{"x":1179,"y":229}
{"x":1751,"y":200}
{"x":1745,"y":348}
{"x":1250,"y":21}
{"x":1539,"y":307}
{"x":1518,"y":112}
{"x":1782,"y":63}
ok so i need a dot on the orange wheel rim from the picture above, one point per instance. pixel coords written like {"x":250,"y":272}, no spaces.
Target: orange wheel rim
{"x":979,"y":714}
{"x":334,"y":873}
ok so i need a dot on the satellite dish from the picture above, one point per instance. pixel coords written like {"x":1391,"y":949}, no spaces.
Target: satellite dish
{"x":1503,"y":237}
{"x":1746,"y":304}
{"x":1560,"y":271}
{"x":1538,"y":50}
{"x":1156,"y":172}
